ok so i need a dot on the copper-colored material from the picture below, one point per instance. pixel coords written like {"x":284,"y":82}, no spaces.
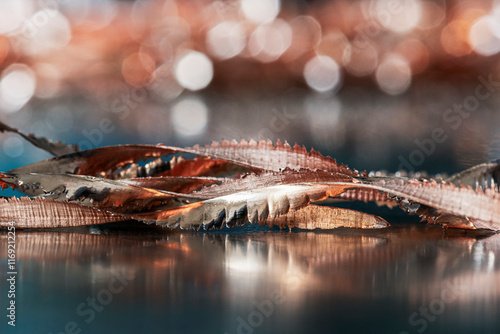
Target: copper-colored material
{"x":48,"y":213}
{"x":263,"y":183}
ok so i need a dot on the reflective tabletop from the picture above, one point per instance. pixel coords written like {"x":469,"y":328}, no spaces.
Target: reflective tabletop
{"x":410,"y":278}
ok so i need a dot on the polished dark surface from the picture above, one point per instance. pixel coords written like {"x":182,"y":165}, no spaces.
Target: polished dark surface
{"x":407,"y":279}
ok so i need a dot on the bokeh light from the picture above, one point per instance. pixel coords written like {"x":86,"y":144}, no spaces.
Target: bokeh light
{"x":394,"y":75}
{"x":194,"y":70}
{"x":13,"y":14}
{"x":17,"y":86}
{"x":164,"y":85}
{"x":416,"y":53}
{"x":173,"y":46}
{"x":189,"y":117}
{"x":335,"y":45}
{"x":260,"y":11}
{"x":45,"y":30}
{"x":270,"y":40}
{"x":90,"y":15}
{"x":226,"y":40}
{"x":484,"y":35}
{"x":432,"y":15}
{"x":360,"y":60}
{"x":137,"y":69}
{"x":495,"y":19}
{"x":306,"y":35}
{"x":322,"y":74}
{"x":454,"y":38}
{"x":399,"y":16}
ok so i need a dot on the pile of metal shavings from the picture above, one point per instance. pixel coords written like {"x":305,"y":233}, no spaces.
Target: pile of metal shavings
{"x":230,"y":184}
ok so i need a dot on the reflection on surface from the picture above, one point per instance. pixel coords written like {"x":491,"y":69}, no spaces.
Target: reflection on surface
{"x":321,"y":281}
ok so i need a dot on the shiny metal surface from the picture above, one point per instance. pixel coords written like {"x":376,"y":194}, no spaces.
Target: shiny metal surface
{"x":407,"y":279}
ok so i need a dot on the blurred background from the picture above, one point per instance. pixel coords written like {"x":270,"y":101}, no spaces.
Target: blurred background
{"x":377,"y":84}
